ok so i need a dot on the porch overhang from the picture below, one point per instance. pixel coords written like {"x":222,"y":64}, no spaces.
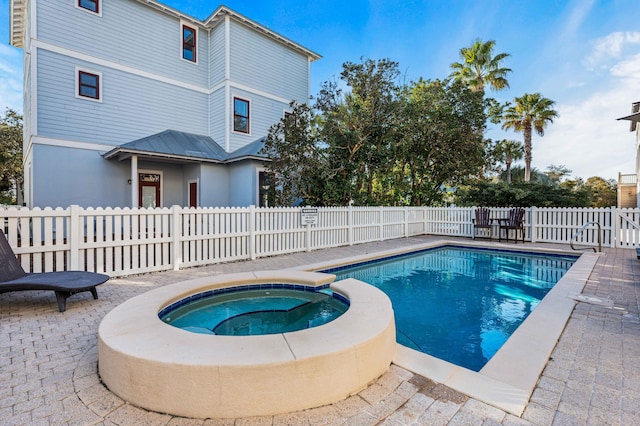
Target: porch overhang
{"x":121,"y":154}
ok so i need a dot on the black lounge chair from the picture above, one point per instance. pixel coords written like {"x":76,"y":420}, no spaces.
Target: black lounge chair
{"x":64,"y":283}
{"x":482,"y":221}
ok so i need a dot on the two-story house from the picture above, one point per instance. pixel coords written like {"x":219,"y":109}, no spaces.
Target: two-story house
{"x":134,"y":103}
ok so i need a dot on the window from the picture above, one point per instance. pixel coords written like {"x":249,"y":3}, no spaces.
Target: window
{"x":88,"y":85}
{"x":90,"y":5}
{"x":240,"y":115}
{"x":189,"y":43}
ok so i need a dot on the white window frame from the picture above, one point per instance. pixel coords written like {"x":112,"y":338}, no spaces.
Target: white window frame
{"x":88,"y":71}
{"x":233,"y":114}
{"x":197,"y":30}
{"x":98,"y":13}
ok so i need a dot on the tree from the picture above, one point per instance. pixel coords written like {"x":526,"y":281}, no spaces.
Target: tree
{"x":479,"y":67}
{"x":530,"y":112}
{"x":556,"y":173}
{"x":297,"y":167}
{"x":359,"y":129}
{"x":507,"y":152}
{"x":11,"y":168}
{"x":441,"y":141}
{"x":602,"y":193}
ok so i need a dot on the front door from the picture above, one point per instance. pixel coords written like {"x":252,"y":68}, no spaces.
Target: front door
{"x":149,"y":190}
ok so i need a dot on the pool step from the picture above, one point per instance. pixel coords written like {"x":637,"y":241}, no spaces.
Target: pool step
{"x":638,"y":253}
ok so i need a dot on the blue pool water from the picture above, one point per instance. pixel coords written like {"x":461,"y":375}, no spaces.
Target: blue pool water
{"x":461,"y":304}
{"x":255,"y":311}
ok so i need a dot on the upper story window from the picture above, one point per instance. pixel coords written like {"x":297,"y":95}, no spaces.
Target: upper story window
{"x":90,"y":5}
{"x":189,"y":39}
{"x":240,"y":115}
{"x":89,"y":85}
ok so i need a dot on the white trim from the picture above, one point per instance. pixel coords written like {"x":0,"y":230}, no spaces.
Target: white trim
{"x":227,"y":89}
{"x":124,"y":68}
{"x":65,"y":143}
{"x":37,"y":44}
{"x":98,"y":13}
{"x":256,"y":195}
{"x":183,"y":24}
{"x":233,"y":109}
{"x":33,"y":70}
{"x":154,"y":172}
{"x":197,"y":182}
{"x":78,"y":70}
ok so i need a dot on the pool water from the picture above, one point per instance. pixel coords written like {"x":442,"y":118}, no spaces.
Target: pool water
{"x":253,"y":312}
{"x":461,"y":304}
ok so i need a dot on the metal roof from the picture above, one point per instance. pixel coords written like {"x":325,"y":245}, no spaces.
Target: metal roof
{"x":175,"y":146}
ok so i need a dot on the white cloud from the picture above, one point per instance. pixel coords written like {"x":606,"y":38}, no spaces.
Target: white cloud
{"x":611,"y":47}
{"x":586,"y":137}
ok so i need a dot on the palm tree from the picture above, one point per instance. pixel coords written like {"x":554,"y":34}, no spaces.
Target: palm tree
{"x":480,"y":68}
{"x":509,"y":151}
{"x":531,"y":111}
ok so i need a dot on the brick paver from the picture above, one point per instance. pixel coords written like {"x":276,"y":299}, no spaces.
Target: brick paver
{"x":48,"y":360}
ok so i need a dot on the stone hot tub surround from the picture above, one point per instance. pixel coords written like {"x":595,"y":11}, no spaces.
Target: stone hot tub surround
{"x":163,"y":368}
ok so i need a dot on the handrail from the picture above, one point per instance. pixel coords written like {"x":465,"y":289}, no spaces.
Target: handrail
{"x":579,"y":231}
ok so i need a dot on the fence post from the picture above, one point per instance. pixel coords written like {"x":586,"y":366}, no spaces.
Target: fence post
{"x":74,"y":237}
{"x":252,"y":232}
{"x":615,"y":213}
{"x":176,"y":234}
{"x":406,"y":222}
{"x":381,"y":223}
{"x":350,"y":224}
{"x":532,"y":224}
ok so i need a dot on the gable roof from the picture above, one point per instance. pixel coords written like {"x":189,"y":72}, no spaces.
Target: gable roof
{"x":635,"y":117}
{"x":172,"y":145}
{"x":17,"y":14}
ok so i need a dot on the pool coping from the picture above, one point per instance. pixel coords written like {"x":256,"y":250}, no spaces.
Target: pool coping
{"x":508,"y":379}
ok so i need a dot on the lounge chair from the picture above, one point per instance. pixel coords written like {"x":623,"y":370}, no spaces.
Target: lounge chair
{"x":64,"y":283}
{"x":514,"y":222}
{"x":482,"y":221}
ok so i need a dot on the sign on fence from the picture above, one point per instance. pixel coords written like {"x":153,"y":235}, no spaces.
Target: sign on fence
{"x":309,"y":216}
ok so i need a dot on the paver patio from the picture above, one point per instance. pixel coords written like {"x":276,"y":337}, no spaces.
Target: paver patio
{"x":48,"y":360}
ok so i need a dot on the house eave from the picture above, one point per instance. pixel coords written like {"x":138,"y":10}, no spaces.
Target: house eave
{"x":17,"y":16}
{"x":122,"y":154}
{"x":632,"y":117}
{"x":222,"y":11}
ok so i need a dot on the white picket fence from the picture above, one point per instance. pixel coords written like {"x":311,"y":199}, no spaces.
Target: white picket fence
{"x":130,"y":241}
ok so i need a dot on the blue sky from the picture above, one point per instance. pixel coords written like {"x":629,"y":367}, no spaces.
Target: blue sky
{"x":583,"y":54}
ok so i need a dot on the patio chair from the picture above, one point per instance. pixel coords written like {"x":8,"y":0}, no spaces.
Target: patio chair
{"x":481,"y":221}
{"x":515,"y":223}
{"x":63,"y":283}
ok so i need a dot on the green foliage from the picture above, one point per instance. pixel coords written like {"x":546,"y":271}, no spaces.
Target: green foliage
{"x":381,"y":143}
{"x":530,"y":112}
{"x":520,"y":194}
{"x":11,"y":176}
{"x":479,"y":67}
{"x":602,"y":193}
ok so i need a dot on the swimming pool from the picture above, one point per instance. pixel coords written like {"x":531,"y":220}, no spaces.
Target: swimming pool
{"x":461,"y":304}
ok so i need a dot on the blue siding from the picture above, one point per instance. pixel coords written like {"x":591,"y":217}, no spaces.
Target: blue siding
{"x":214,"y":185}
{"x":217,"y":117}
{"x":127,"y":33}
{"x":217,"y":56}
{"x":260,"y":62}
{"x":94,"y":182}
{"x":243,"y":184}
{"x":132,"y":106}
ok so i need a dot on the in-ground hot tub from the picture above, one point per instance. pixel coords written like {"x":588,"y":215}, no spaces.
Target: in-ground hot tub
{"x":163,"y":368}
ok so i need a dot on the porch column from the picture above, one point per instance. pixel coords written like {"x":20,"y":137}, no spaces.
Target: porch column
{"x":134,"y":181}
